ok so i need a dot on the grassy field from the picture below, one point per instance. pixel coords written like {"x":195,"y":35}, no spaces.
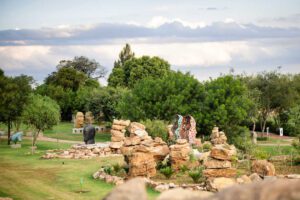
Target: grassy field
{"x":63,"y":131}
{"x":26,"y":176}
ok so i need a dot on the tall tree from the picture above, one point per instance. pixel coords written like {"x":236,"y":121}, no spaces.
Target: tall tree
{"x":117,"y":76}
{"x":14,"y":95}
{"x":83,"y":64}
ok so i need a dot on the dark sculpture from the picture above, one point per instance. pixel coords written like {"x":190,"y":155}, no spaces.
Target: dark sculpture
{"x":89,"y":132}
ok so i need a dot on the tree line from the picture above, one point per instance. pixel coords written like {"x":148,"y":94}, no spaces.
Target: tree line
{"x":146,"y":88}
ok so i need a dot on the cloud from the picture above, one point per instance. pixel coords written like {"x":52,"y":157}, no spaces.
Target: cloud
{"x":159,"y":28}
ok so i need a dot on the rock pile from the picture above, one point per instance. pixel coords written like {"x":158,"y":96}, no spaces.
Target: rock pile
{"x":263,"y":168}
{"x":80,"y":151}
{"x":179,"y":154}
{"x":218,"y":163}
{"x":117,"y":131}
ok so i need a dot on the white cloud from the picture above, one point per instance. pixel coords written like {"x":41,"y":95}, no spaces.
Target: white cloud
{"x":157,"y":21}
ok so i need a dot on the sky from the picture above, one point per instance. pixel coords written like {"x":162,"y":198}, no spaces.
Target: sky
{"x":204,"y":37}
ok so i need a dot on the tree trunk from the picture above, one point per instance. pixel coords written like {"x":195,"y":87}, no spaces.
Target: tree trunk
{"x":8,"y":132}
{"x":35,"y":137}
{"x":254,"y":126}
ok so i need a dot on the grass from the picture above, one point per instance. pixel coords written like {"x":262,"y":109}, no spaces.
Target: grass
{"x":26,"y":176}
{"x":63,"y":131}
{"x":276,"y":150}
{"x":275,"y":141}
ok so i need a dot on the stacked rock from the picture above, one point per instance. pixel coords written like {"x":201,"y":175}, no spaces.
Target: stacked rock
{"x":218,"y":163}
{"x":117,"y":131}
{"x":180,"y":154}
{"x":142,"y":163}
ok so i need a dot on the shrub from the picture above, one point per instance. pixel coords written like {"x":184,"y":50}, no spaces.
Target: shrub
{"x":196,"y":174}
{"x":296,"y":145}
{"x":156,"y":128}
{"x":206,"y":146}
{"x":167,"y":172}
{"x":183,"y":168}
{"x":108,"y":170}
{"x":117,"y":167}
{"x":261,"y":155}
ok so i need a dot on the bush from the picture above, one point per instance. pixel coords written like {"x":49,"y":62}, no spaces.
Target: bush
{"x":108,"y":170}
{"x":117,"y":167}
{"x":261,"y":155}
{"x":206,"y":147}
{"x":196,"y":174}
{"x":183,"y":168}
{"x":167,"y":172}
{"x":240,"y":137}
{"x":156,"y":128}
{"x":296,"y":145}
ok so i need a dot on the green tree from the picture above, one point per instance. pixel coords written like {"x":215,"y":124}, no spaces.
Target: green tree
{"x":294,"y":120}
{"x":226,"y":104}
{"x":41,"y":113}
{"x":89,"y":67}
{"x":163,"y":98}
{"x":117,"y":76}
{"x":14,"y":95}
{"x":103,"y":102}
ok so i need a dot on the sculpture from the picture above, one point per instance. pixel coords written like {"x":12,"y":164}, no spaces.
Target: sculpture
{"x":185,"y":128}
{"x":89,"y":118}
{"x":89,"y":133}
{"x":17,"y":137}
{"x":79,"y":120}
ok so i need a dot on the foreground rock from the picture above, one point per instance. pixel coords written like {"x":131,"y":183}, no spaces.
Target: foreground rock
{"x":179,"y":153}
{"x":226,"y":172}
{"x":142,"y":164}
{"x":263,"y":168}
{"x":181,"y":194}
{"x":217,"y":184}
{"x":133,"y":189}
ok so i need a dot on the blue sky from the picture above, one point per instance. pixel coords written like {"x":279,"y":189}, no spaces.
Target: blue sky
{"x":206,"y":37}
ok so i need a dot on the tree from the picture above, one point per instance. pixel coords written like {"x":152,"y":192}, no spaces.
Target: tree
{"x":103,"y":102}
{"x":14,"y":95}
{"x":276,"y":95}
{"x":117,"y":76}
{"x":41,"y":113}
{"x":226,"y":104}
{"x":294,"y":120}
{"x":91,"y":68}
{"x":163,"y":98}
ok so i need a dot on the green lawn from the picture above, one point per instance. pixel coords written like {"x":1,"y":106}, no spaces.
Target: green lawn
{"x":26,"y":176}
{"x":63,"y":131}
{"x":276,"y":150}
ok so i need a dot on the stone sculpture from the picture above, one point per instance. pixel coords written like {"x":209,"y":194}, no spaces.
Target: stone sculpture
{"x":79,"y":120}
{"x":184,"y":128}
{"x":89,"y":133}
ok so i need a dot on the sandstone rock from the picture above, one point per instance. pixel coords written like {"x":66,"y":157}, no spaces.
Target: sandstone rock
{"x":142,"y":164}
{"x":132,"y":141}
{"x":160,"y":152}
{"x":293,"y":176}
{"x":255,"y":177}
{"x":121,"y":122}
{"x":263,"y":168}
{"x":280,"y":189}
{"x":181,"y":194}
{"x":133,"y":189}
{"x":217,"y":184}
{"x":223,"y":152}
{"x":128,"y":150}
{"x":204,"y":156}
{"x":246,"y":179}
{"x":118,"y":127}
{"x":181,"y":141}
{"x":117,"y":133}
{"x":116,"y":145}
{"x":162,"y":187}
{"x":217,"y":164}
{"x":117,"y":139}
{"x":179,"y":154}
{"x":197,"y":142}
{"x":228,"y":172}
{"x":136,"y":128}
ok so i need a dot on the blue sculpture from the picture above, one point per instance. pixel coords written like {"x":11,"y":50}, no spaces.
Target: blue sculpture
{"x":17,"y":137}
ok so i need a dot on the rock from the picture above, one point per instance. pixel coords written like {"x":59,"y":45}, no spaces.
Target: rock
{"x":142,"y":164}
{"x":217,"y":184}
{"x":160,"y":152}
{"x":255,"y":177}
{"x":270,"y":178}
{"x":136,"y":128}
{"x":228,"y":172}
{"x":133,"y":189}
{"x":263,"y":168}
{"x":246,"y":179}
{"x":279,"y":189}
{"x":204,"y":156}
{"x":127,"y":151}
{"x":118,"y":127}
{"x":135,"y":140}
{"x":181,"y":194}
{"x":116,"y":145}
{"x":197,"y":142}
{"x":179,"y":154}
{"x":121,"y":122}
{"x":293,"y":176}
{"x":181,"y":141}
{"x":223,"y":152}
{"x":117,"y":133}
{"x":162,"y":187}
{"x":217,"y":164}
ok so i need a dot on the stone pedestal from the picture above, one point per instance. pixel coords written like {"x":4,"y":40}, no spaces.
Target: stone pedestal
{"x":77,"y":130}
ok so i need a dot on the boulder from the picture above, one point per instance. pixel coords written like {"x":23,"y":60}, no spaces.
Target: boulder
{"x":293,"y":176}
{"x":217,"y":184}
{"x":142,"y":164}
{"x":263,"y":168}
{"x":135,"y":140}
{"x":121,"y":122}
{"x":117,"y":133}
{"x":160,"y":152}
{"x":204,"y":156}
{"x":118,"y":127}
{"x":217,"y":164}
{"x":181,"y":194}
{"x":127,"y":150}
{"x":133,"y":189}
{"x":136,"y":128}
{"x":181,"y":141}
{"x":274,"y":190}
{"x":228,"y":172}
